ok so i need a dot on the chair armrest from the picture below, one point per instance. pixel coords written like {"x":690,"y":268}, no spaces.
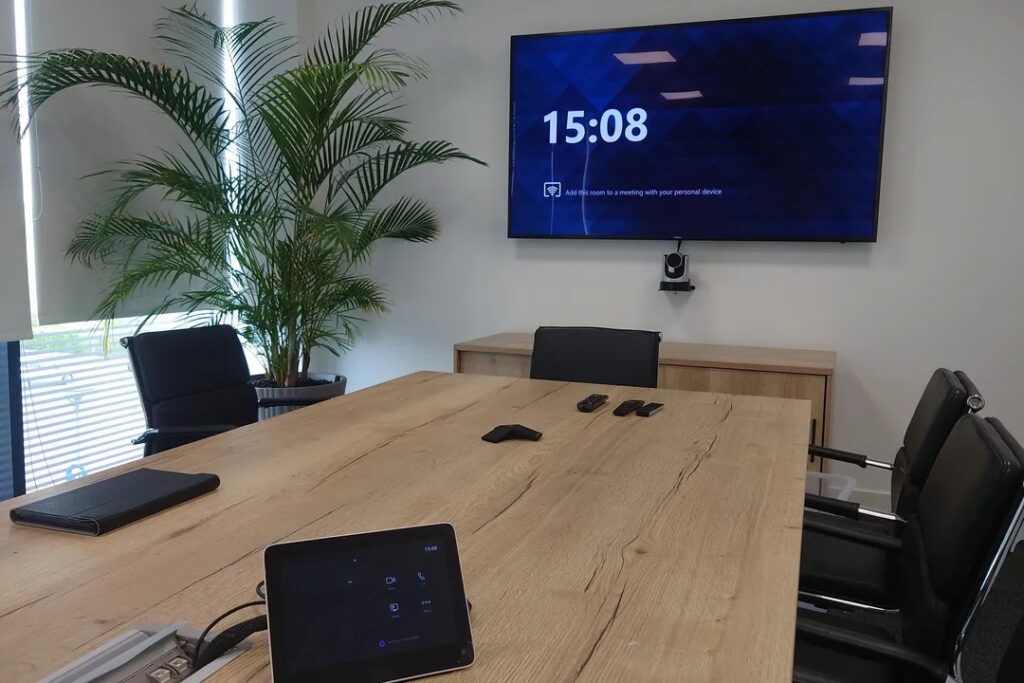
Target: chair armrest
{"x":804,"y":675}
{"x":857,"y":534}
{"x":842,"y":456}
{"x":195,"y":432}
{"x":882,"y":514}
{"x":864,"y":644}
{"x":833,"y":506}
{"x":848,"y":509}
{"x":857,"y":459}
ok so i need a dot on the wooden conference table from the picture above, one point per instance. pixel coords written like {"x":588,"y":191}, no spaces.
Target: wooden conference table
{"x":614,"y":549}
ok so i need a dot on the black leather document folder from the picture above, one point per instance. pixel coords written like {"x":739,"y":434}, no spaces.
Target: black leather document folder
{"x":109,"y":504}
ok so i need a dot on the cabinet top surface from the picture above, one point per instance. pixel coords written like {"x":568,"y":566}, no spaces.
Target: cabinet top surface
{"x":798,"y":361}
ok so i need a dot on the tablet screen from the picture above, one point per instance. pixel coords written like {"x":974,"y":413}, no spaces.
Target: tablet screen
{"x":381,"y":606}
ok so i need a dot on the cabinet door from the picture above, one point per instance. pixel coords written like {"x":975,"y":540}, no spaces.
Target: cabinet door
{"x":754,"y":383}
{"x":500,"y":364}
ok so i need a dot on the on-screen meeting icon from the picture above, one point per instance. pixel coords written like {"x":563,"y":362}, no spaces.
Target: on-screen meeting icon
{"x":552,"y":190}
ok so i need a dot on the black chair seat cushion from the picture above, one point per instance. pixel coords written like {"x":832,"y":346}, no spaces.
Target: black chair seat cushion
{"x":816,"y":662}
{"x":846,"y":569}
{"x":234,"y":405}
{"x":820,"y":664}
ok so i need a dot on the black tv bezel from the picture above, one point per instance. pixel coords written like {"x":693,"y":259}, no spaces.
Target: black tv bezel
{"x":830,"y":240}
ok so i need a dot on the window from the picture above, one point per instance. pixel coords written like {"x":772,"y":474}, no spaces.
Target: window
{"x":80,"y":403}
{"x":81,"y":407}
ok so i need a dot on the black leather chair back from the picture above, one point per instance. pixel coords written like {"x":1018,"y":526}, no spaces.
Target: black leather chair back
{"x":989,"y":639}
{"x":192,"y":377}
{"x":948,"y":396}
{"x":965,"y":508}
{"x":596,"y":355}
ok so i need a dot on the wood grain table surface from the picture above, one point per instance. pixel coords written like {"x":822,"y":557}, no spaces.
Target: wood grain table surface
{"x":614,"y":549}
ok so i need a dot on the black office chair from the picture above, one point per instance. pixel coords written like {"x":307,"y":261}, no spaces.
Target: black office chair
{"x":947,"y":397}
{"x":193,"y":383}
{"x":936,"y":570}
{"x":824,"y":563}
{"x":596,"y":355}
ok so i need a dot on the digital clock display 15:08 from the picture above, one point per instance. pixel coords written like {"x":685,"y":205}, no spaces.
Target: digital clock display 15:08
{"x":612,"y":126}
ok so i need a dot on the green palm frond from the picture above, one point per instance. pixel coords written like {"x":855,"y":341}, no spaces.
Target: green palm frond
{"x":365,"y":181}
{"x":407,"y":219}
{"x":344,"y":41}
{"x":169,"y":176}
{"x":193,"y":38}
{"x":198,"y":246}
{"x":239,"y":60}
{"x":340,"y":308}
{"x":390,"y":70}
{"x":257,"y":49}
{"x":272,"y":241}
{"x":200,"y":115}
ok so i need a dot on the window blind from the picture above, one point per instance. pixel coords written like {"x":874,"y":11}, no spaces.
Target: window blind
{"x":85,"y":130}
{"x":15,"y":322}
{"x":81,"y":406}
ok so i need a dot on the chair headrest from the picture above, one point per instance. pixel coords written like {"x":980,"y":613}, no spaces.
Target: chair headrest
{"x":943,"y":402}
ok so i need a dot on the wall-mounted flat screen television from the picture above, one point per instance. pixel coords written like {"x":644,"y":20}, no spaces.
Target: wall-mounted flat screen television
{"x":754,"y":129}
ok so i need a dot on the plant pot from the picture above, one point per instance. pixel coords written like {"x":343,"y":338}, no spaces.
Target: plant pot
{"x":335,"y":387}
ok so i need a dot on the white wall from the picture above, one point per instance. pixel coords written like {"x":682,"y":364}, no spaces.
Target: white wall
{"x":941,"y":287}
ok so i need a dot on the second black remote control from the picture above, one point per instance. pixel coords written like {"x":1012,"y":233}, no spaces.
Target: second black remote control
{"x":591,"y":403}
{"x":649,"y":409}
{"x":627,"y":407}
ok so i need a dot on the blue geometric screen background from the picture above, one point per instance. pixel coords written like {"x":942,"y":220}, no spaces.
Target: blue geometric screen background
{"x":760,"y":129}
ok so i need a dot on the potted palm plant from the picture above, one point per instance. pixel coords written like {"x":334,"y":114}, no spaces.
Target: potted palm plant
{"x":270,"y":207}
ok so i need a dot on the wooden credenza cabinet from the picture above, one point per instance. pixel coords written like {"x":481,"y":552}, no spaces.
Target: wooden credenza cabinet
{"x":746,"y":370}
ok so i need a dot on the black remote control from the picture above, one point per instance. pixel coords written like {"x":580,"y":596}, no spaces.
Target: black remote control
{"x":591,"y":403}
{"x":650,"y":409}
{"x":507,"y":432}
{"x":627,"y":407}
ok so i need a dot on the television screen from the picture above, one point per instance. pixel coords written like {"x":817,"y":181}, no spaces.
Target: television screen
{"x":753,"y":129}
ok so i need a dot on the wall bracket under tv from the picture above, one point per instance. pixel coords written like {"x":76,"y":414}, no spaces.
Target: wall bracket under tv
{"x":676,"y":287}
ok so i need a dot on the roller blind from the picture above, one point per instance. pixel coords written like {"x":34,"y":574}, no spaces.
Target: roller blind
{"x":285,"y":11}
{"x":85,"y":130}
{"x":81,"y":407}
{"x":15,"y":320}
